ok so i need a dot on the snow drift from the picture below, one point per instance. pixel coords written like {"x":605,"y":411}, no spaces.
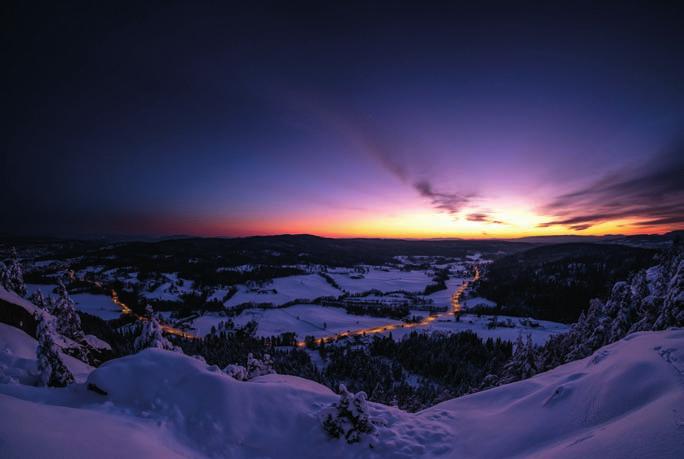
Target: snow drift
{"x":626,"y":400}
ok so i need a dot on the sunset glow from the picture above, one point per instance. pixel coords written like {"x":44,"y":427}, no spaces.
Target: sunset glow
{"x":544,"y":124}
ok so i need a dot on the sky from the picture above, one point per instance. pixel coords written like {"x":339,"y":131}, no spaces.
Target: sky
{"x":373,"y":119}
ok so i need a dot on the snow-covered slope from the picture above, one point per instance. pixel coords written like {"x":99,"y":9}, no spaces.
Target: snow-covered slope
{"x":624,"y":401}
{"x":18,"y":358}
{"x":627,"y":401}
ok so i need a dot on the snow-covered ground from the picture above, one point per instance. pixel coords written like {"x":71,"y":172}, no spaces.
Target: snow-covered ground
{"x":443,"y":297}
{"x":170,"y":290}
{"x":469,"y":303}
{"x":381,"y":278}
{"x":478,"y":325}
{"x":302,"y":319}
{"x":283,"y":290}
{"x":18,"y":362}
{"x":625,"y":401}
{"x":99,"y":305}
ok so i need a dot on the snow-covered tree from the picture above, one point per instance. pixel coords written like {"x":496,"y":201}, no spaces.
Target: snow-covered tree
{"x":349,"y":418}
{"x":12,"y":275}
{"x":41,"y":301}
{"x":259,"y":367}
{"x":53,"y":371}
{"x":152,"y":335}
{"x":671,"y":313}
{"x":68,"y":321}
{"x":237,"y":372}
{"x":653,"y":299}
{"x":255,"y":367}
{"x":523,"y":362}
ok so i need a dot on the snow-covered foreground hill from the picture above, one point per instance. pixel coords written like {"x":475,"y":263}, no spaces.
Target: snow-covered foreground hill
{"x":625,"y":401}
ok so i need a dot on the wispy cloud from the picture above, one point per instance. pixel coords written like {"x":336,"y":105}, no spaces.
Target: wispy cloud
{"x":483,"y":217}
{"x":652,"y":194}
{"x":451,"y":203}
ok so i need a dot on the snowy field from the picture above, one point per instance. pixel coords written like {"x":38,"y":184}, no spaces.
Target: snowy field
{"x":443,"y":297}
{"x":469,"y":303}
{"x":283,"y":290}
{"x":18,"y":362}
{"x":477,"y":325}
{"x":383,"y":279}
{"x":625,"y":401}
{"x":322,"y":321}
{"x":99,"y":305}
{"x":171,"y":290}
{"x":302,"y":319}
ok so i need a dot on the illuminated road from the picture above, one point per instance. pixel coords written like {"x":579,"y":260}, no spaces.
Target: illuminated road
{"x":125,"y":310}
{"x":455,"y":309}
{"x":129,"y":312}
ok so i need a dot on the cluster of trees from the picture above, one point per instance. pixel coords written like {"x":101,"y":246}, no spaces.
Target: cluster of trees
{"x":12,"y":275}
{"x":651,"y":300}
{"x":557,"y":282}
{"x":349,"y":417}
{"x":418,"y":371}
{"x":438,"y":282}
{"x":229,"y":345}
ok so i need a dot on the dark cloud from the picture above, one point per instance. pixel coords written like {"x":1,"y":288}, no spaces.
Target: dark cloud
{"x":451,"y":203}
{"x":653,"y":194}
{"x":483,"y":217}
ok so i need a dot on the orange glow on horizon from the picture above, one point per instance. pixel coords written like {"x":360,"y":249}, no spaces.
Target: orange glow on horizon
{"x":415,"y":224}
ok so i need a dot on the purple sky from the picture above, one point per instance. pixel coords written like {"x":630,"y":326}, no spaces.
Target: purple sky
{"x":345,"y":120}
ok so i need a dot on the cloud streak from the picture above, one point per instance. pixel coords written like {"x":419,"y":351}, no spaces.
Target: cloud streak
{"x":653,"y":195}
{"x":483,"y":217}
{"x":451,"y":203}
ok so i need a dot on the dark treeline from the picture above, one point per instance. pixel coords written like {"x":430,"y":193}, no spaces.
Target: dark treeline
{"x":556,"y":282}
{"x":414,"y":373}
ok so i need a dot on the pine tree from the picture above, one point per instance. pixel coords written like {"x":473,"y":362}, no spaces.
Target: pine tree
{"x":349,"y":418}
{"x":152,"y":335}
{"x":12,"y":275}
{"x":41,"y":301}
{"x":523,"y":362}
{"x":53,"y":371}
{"x":68,"y":320}
{"x":257,"y":367}
{"x":237,"y":372}
{"x":671,"y":313}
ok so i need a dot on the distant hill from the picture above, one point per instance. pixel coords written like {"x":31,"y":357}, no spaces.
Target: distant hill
{"x":638,"y":240}
{"x":556,"y":282}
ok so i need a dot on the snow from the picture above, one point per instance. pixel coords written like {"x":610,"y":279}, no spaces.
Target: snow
{"x":171,"y":290}
{"x":283,"y":290}
{"x":18,"y":358}
{"x":478,"y":325}
{"x":443,"y":297}
{"x":13,"y":298}
{"x":626,"y":401}
{"x":59,"y":431}
{"x":383,"y":279}
{"x":469,"y":303}
{"x":99,"y":305}
{"x":97,"y":343}
{"x":302,"y":319}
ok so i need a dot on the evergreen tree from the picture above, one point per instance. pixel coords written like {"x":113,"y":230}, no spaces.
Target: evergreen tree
{"x":12,"y":275}
{"x":257,"y":367}
{"x":152,"y":335}
{"x":41,"y":301}
{"x":53,"y":371}
{"x":237,"y":372}
{"x":349,"y":418}
{"x":68,"y":320}
{"x":523,"y":363}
